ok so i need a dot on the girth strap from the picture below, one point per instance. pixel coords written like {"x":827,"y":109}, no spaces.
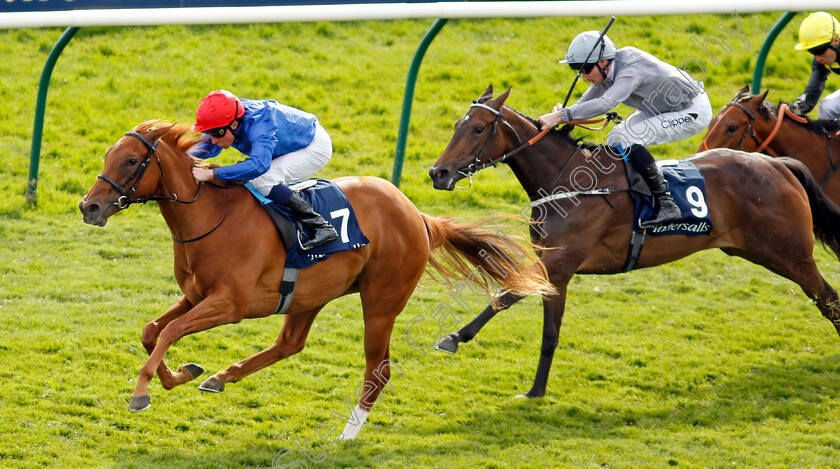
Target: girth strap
{"x":637,"y":242}
{"x":287,"y":290}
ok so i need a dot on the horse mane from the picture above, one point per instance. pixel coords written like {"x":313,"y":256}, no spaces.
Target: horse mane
{"x":819,"y":126}
{"x":179,"y":135}
{"x":564,"y":133}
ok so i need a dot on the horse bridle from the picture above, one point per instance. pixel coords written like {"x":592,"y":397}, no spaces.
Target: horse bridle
{"x":125,"y":200}
{"x":476,"y":166}
{"x":783,"y":111}
{"x":749,"y":129}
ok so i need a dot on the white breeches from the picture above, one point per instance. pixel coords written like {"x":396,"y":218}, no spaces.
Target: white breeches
{"x":297,"y":165}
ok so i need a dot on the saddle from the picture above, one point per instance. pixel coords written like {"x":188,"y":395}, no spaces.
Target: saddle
{"x":328,"y":200}
{"x":688,"y":188}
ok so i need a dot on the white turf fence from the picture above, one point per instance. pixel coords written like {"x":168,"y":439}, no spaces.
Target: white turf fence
{"x":391,"y":11}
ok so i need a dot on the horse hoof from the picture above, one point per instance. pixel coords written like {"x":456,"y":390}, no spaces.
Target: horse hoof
{"x":447,"y":344}
{"x":139,"y":403}
{"x":194,"y":369}
{"x":212,"y":384}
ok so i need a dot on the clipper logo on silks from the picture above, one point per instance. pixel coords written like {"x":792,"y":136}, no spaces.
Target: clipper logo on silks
{"x":690,"y":117}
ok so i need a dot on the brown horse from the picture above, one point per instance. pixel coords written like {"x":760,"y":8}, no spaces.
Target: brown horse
{"x":750,"y":123}
{"x":229,"y":260}
{"x":763,"y":209}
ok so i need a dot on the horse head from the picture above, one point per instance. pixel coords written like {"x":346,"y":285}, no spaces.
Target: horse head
{"x":128,"y":175}
{"x":478,"y":141}
{"x":734,"y":126}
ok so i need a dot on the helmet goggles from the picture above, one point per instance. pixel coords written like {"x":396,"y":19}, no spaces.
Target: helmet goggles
{"x":583,"y":67}
{"x":218,"y":132}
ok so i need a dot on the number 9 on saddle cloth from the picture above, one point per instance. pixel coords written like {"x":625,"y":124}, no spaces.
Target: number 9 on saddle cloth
{"x":687,"y":186}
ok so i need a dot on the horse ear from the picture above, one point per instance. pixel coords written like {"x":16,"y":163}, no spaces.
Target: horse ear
{"x":762,"y":96}
{"x":500,"y":101}
{"x":155,"y":133}
{"x":488,"y":92}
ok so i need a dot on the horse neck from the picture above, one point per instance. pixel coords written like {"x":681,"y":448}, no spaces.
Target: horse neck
{"x":538,"y":168}
{"x":186,"y":220}
{"x":792,"y":138}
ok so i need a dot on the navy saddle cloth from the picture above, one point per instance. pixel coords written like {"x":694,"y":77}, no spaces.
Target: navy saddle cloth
{"x":330,"y":202}
{"x":687,"y":186}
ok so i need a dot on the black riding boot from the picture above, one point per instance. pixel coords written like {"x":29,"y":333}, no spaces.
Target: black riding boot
{"x":323,"y":230}
{"x":666,"y":209}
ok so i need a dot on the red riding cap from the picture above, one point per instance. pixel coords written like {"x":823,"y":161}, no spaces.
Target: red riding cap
{"x":217,"y":109}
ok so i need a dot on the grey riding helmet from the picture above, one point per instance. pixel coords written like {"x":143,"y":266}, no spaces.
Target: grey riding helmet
{"x":586,"y":42}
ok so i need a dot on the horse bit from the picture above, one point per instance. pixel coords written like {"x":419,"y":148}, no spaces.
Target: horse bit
{"x":125,"y":200}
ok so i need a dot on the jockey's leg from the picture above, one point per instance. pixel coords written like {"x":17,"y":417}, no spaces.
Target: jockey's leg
{"x":667,"y":210}
{"x":830,"y":106}
{"x":296,"y":166}
{"x":323,"y":231}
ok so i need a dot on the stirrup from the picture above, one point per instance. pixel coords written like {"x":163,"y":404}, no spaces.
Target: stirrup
{"x":663,"y":216}
{"x":328,"y":239}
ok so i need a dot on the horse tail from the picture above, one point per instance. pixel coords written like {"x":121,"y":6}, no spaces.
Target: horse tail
{"x":498,"y":260}
{"x":826,"y":214}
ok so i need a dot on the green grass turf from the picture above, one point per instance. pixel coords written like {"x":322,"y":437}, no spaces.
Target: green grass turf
{"x":706,"y":362}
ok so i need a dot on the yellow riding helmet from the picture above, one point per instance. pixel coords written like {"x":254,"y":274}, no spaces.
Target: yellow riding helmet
{"x":817,"y":29}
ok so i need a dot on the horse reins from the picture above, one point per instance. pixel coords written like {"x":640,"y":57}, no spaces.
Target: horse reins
{"x":476,"y":166}
{"x":784,"y":110}
{"x":125,"y":200}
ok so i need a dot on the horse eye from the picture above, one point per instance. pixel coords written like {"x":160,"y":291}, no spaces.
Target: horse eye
{"x":478,"y":130}
{"x":732,"y":128}
{"x":131,"y":162}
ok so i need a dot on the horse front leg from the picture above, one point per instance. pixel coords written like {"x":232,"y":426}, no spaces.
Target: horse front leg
{"x":449,"y":344}
{"x":291,"y":341}
{"x":553,"y":308}
{"x":185,"y":373}
{"x":216,"y":309}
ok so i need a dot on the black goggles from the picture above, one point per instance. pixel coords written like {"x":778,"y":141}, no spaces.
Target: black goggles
{"x":218,"y":132}
{"x":584,"y":68}
{"x":819,"y":50}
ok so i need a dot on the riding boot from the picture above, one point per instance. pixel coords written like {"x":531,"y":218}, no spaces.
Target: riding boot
{"x":323,"y":230}
{"x":666,"y":209}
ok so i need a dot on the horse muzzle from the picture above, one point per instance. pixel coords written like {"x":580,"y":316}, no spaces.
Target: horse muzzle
{"x":443,"y":179}
{"x":94,"y":213}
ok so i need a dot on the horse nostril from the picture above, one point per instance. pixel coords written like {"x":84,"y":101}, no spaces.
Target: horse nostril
{"x":437,"y":174}
{"x":90,"y":209}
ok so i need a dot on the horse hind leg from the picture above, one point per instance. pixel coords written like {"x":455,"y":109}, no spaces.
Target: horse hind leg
{"x":377,"y":372}
{"x":829,"y":305}
{"x":449,"y":344}
{"x":291,"y":340}
{"x":805,"y":274}
{"x":383,"y":299}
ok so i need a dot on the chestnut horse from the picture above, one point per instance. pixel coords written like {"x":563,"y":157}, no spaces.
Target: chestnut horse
{"x":229,"y":259}
{"x":750,"y":123}
{"x":763,"y":209}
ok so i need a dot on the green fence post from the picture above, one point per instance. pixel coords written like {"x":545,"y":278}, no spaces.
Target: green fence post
{"x":409,"y":97}
{"x":40,"y":105}
{"x":765,"y":49}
